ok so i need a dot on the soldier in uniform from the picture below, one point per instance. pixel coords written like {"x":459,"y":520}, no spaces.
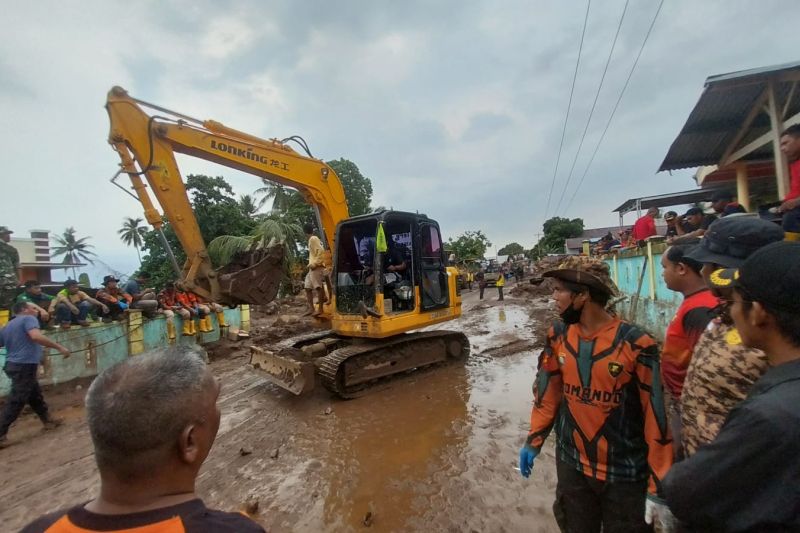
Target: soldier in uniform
{"x":9,"y":263}
{"x":722,"y":370}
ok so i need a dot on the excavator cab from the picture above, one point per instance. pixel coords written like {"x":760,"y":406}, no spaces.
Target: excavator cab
{"x":390,"y":267}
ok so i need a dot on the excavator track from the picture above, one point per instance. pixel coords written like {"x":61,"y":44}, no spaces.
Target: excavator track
{"x":355,"y":370}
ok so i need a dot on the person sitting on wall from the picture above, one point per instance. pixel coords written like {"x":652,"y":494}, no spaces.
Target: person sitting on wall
{"x":168,"y":305}
{"x":207,"y":307}
{"x":188,"y":300}
{"x":71,"y":305}
{"x":117,"y":301}
{"x":144,"y":297}
{"x":39,"y":300}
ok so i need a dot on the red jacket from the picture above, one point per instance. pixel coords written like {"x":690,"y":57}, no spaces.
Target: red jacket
{"x":683,"y":332}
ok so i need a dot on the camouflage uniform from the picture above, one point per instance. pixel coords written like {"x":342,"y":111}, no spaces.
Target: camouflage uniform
{"x":9,"y":262}
{"x":720,"y":375}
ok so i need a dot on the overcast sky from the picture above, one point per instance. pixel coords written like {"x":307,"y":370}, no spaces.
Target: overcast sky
{"x":451,"y":108}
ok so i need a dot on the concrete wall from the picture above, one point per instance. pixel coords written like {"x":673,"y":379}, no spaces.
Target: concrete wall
{"x":102,"y":345}
{"x":657,"y":304}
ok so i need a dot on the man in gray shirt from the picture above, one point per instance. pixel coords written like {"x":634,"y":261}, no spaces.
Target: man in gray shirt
{"x":23,"y":341}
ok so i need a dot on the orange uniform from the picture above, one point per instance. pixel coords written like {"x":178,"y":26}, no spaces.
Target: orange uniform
{"x":603,"y":393}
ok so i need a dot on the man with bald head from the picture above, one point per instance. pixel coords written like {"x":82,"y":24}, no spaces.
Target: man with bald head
{"x":153,"y":419}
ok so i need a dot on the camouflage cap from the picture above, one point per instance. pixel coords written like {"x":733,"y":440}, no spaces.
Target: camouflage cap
{"x":585,"y":271}
{"x":4,"y":230}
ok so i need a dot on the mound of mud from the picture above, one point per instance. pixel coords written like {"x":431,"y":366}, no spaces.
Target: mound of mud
{"x":529,"y":290}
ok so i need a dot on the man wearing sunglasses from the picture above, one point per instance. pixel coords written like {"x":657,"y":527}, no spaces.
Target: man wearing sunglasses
{"x":722,"y":370}
{"x":746,"y":479}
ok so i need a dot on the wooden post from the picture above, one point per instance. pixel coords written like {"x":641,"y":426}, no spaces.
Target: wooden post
{"x":652,"y":269}
{"x":776,"y":127}
{"x":587,"y":249}
{"x":135,"y":332}
{"x":742,"y":186}
{"x":245,"y":310}
{"x":616,"y":269}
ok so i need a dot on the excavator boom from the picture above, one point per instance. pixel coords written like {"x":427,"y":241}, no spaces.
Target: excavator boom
{"x":147,"y":144}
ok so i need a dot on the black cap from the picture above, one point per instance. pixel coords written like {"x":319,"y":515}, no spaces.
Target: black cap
{"x":70,"y":283}
{"x":108,"y":279}
{"x":669,"y":215}
{"x":770,"y":276}
{"x":693,"y":211}
{"x":730,"y":240}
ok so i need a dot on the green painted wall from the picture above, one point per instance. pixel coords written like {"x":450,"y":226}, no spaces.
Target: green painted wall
{"x":657,"y":304}
{"x":102,"y":345}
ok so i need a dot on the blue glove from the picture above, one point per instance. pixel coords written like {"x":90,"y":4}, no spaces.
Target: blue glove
{"x":526,"y":456}
{"x":122,"y":305}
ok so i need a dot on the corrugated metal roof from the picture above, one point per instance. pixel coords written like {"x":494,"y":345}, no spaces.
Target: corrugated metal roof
{"x":720,"y":112}
{"x":666,"y":200}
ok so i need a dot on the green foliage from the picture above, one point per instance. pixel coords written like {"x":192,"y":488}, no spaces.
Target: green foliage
{"x":217,"y":212}
{"x":469,"y":245}
{"x":557,"y":230}
{"x":357,"y":187}
{"x":248,"y":205}
{"x":513,"y":248}
{"x":215,"y":207}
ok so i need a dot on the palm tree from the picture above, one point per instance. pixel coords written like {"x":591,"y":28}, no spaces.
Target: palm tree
{"x":132,"y":234}
{"x":247,"y":204}
{"x":272,"y":230}
{"x":279,"y":195}
{"x":74,"y":250}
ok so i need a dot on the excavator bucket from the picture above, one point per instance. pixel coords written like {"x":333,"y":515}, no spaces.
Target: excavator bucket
{"x":253,"y":277}
{"x":295,"y":376}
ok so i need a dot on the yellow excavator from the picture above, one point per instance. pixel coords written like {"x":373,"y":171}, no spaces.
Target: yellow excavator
{"x":373,"y":310}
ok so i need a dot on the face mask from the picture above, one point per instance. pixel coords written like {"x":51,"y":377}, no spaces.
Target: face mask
{"x":571,"y":315}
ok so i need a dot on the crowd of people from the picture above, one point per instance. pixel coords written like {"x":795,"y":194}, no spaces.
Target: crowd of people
{"x":72,"y":306}
{"x":699,"y":433}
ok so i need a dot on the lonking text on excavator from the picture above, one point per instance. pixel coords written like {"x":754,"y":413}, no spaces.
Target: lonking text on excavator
{"x":375,"y":311}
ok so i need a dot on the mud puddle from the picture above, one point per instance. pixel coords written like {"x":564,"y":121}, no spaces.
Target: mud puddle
{"x":435,"y":452}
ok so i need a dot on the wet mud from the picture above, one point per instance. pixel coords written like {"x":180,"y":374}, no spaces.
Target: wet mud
{"x":435,"y":451}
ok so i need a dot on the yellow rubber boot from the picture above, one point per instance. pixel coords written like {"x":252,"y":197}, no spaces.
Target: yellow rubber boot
{"x":195,"y":326}
{"x":221,"y":319}
{"x":171,"y":330}
{"x":205,"y":324}
{"x":187,"y":328}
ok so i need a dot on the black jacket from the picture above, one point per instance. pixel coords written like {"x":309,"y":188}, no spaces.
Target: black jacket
{"x":748,"y":478}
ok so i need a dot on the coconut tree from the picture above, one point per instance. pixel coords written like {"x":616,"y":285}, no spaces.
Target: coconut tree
{"x":271,"y":230}
{"x":73,"y":249}
{"x":248,"y":205}
{"x":132,"y":233}
{"x":280,"y":196}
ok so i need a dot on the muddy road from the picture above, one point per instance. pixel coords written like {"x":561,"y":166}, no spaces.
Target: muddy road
{"x":436,"y":451}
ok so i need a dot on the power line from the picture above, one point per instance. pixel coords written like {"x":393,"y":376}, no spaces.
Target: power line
{"x":613,"y":111}
{"x":569,"y":106}
{"x":594,"y":105}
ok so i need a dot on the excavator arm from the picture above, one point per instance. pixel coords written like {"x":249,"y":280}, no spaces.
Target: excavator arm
{"x":147,"y":143}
